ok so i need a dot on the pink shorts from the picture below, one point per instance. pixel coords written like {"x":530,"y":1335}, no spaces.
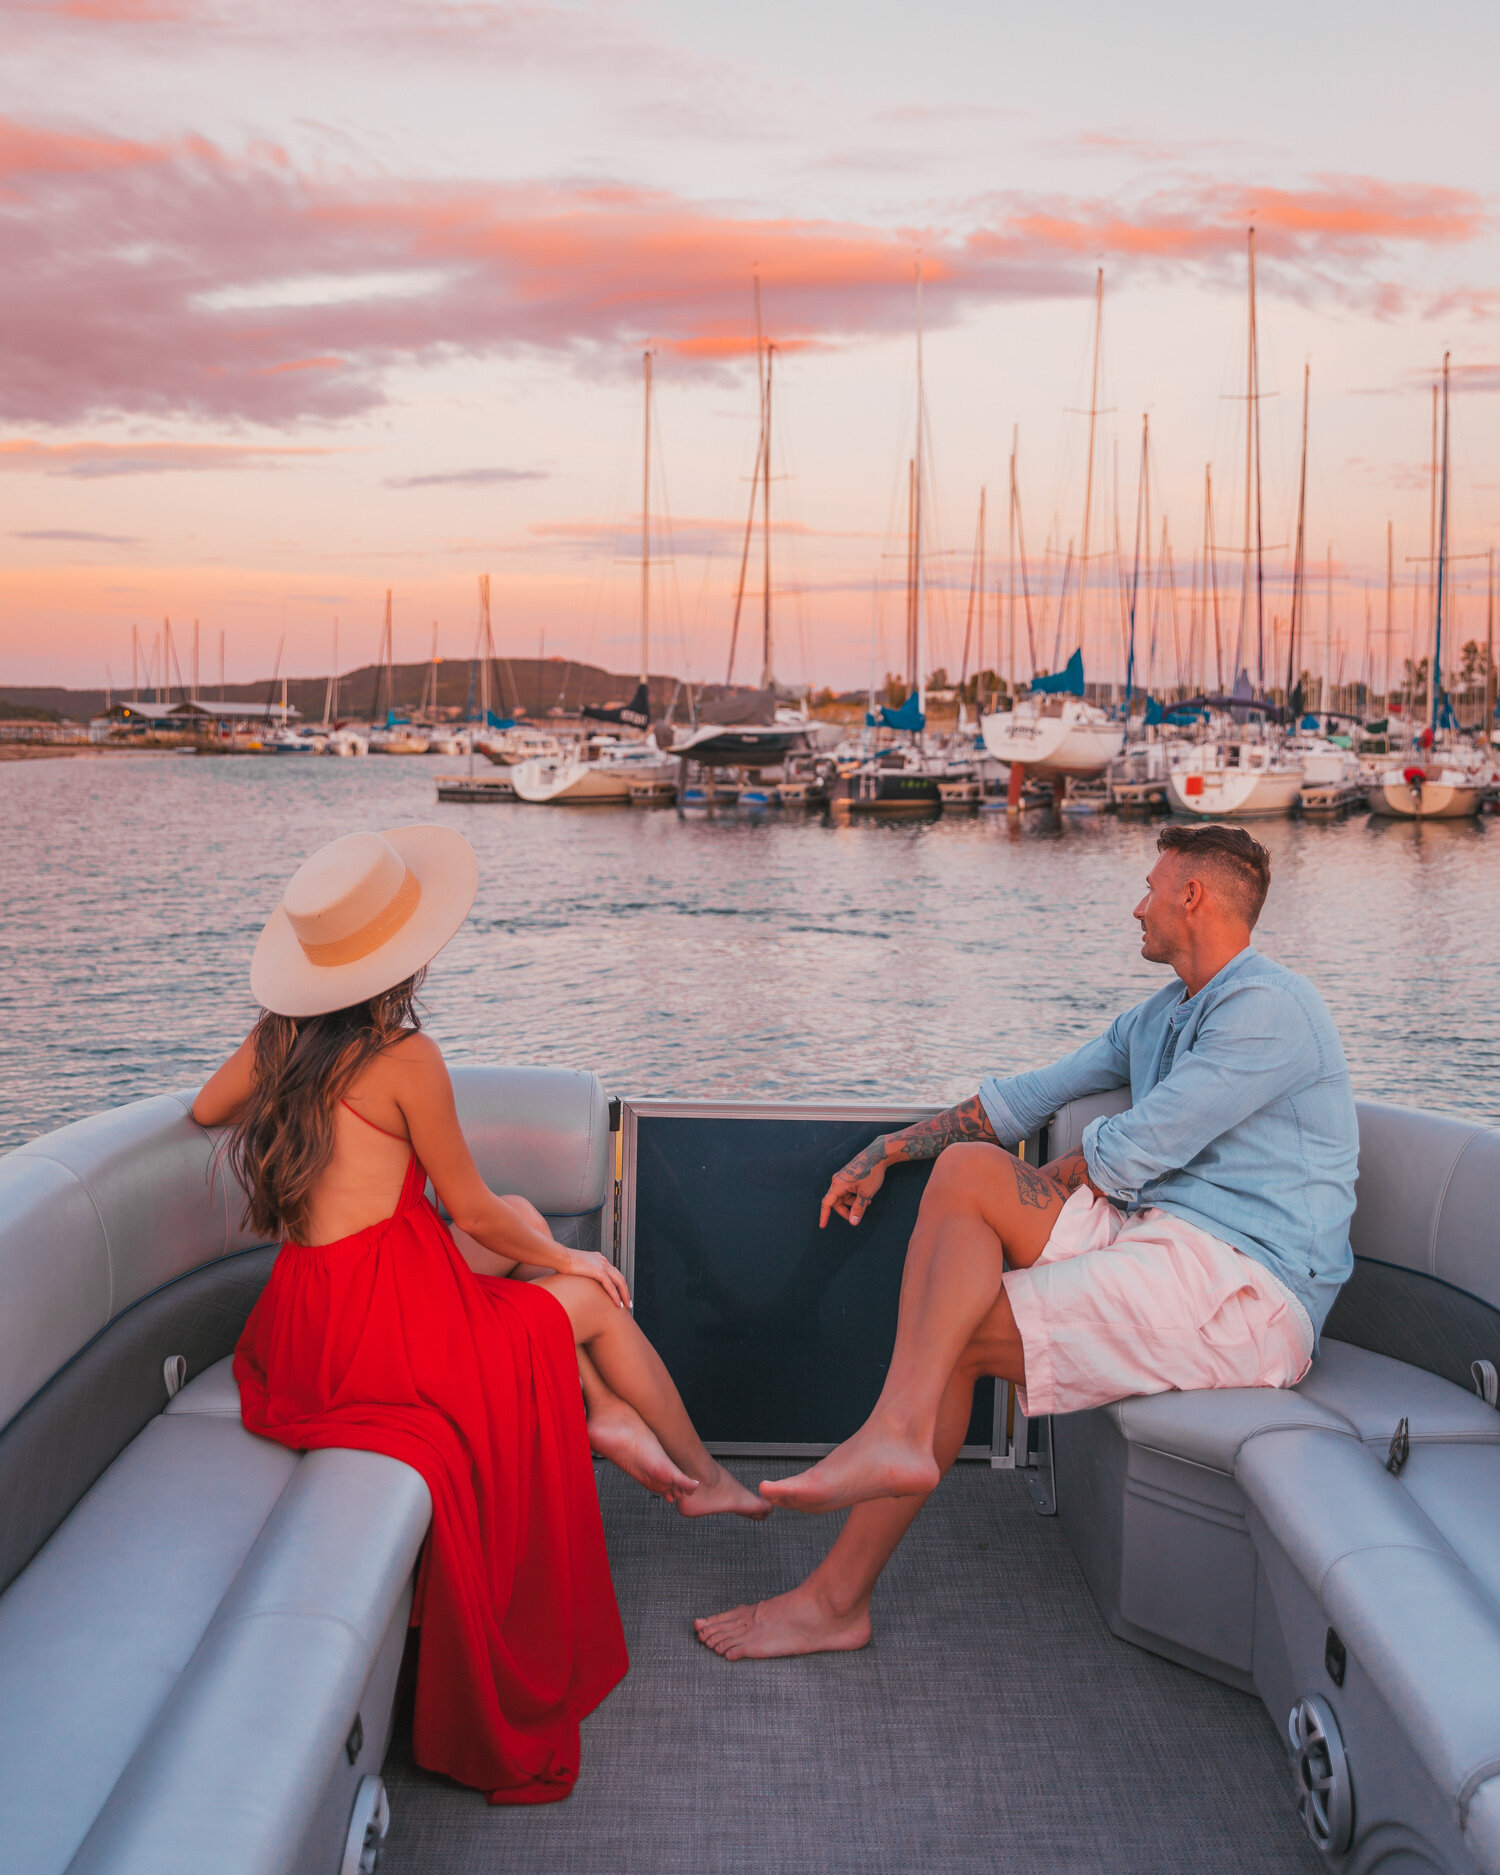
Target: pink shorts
{"x":1147,"y":1303}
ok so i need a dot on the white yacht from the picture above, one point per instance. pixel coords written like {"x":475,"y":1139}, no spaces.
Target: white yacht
{"x":399,"y":739}
{"x":347,"y":742}
{"x":1241,"y":780}
{"x":510,"y":747}
{"x":1054,"y":735}
{"x":609,"y":777}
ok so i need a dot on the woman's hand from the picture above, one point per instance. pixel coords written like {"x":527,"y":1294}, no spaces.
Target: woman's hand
{"x":598,"y":1269}
{"x":852,"y":1189}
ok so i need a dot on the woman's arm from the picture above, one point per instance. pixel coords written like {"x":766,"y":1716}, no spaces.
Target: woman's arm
{"x":508,"y":1228}
{"x":227,"y":1089}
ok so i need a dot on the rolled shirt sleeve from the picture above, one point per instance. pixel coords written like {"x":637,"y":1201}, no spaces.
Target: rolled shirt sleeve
{"x":1017,"y":1106}
{"x":1251,"y":1048}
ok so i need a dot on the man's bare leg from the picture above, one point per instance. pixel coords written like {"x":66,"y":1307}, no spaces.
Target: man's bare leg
{"x":981,"y":1208}
{"x":830,"y":1611}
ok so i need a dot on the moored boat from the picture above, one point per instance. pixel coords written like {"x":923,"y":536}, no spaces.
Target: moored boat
{"x":1431,"y":790}
{"x":1233,"y":781}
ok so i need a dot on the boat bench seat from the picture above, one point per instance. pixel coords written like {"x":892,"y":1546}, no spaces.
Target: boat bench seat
{"x":192,"y":1650}
{"x":200,"y":1631}
{"x":1256,"y":1535}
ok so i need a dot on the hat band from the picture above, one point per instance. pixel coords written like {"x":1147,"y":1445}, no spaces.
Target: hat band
{"x":383,"y":926}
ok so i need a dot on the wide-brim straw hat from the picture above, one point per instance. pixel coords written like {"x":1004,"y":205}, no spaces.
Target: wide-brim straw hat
{"x":360,"y":916}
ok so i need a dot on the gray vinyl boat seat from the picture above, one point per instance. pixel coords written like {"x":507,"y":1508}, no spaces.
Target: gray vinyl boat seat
{"x":200,"y":1631}
{"x":1258,"y":1536}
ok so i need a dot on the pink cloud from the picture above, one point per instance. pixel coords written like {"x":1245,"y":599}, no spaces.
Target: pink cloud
{"x":89,"y":461}
{"x":177,"y":280}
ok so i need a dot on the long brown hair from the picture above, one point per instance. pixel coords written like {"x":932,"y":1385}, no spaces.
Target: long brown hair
{"x":283,"y":1138}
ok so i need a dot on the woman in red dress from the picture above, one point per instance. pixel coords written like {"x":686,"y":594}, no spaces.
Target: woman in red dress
{"x":377,"y":1332}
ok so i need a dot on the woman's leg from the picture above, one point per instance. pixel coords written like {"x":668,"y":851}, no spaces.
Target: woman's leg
{"x":632,"y":1368}
{"x":617,"y":1432}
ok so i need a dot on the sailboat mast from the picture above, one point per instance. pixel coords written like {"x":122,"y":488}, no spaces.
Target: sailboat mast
{"x":1298,"y":562}
{"x":1432,"y":497}
{"x":917,"y":607}
{"x":1390,"y":606}
{"x":1260,"y":566}
{"x":979,"y":646}
{"x":1442,"y":567}
{"x":1212,"y":555}
{"x":1489,"y":656}
{"x":760,"y":389}
{"x":1328,"y":630}
{"x":1142,"y":506}
{"x":767,"y":670}
{"x":1088,"y":479}
{"x":1010,"y":654}
{"x":646,"y":525}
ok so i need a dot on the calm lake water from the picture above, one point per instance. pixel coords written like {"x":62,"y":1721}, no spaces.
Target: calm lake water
{"x":792,"y":956}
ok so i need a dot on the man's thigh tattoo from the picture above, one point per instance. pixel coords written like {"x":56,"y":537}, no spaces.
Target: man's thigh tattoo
{"x":1034,"y":1188}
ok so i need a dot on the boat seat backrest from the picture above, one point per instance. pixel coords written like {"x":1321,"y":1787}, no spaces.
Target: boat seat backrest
{"x":100,"y":1214}
{"x":92,"y":1218}
{"x":539,"y":1133}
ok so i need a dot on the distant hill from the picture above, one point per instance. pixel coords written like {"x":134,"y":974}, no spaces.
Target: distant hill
{"x":536,"y":685}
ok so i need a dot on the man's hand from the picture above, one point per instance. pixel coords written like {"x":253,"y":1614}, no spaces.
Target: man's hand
{"x":852,"y":1189}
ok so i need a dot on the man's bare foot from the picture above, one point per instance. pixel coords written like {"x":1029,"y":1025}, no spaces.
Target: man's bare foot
{"x":794,"y":1623}
{"x":871,"y":1464}
{"x":723,"y":1492}
{"x":617,"y":1432}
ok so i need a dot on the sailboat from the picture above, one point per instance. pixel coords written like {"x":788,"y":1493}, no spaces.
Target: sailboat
{"x":395,"y":736}
{"x":900,"y":779}
{"x":617,"y":766}
{"x":750,"y":731}
{"x":1443,"y":785}
{"x":1054,"y":732}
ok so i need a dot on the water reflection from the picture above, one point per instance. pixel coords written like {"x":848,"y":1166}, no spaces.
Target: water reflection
{"x":784,"y":955}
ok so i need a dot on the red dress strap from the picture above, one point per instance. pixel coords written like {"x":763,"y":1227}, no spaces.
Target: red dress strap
{"x":370,"y":1123}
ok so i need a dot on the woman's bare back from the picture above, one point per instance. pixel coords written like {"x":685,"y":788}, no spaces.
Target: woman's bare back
{"x":361,"y":1184}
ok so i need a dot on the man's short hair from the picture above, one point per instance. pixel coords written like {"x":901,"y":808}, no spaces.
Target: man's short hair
{"x":1240,"y":865}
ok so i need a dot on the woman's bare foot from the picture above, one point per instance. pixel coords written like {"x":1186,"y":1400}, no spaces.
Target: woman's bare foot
{"x":871,"y":1464}
{"x":723,"y":1492}
{"x":617,"y":1432}
{"x":794,"y":1623}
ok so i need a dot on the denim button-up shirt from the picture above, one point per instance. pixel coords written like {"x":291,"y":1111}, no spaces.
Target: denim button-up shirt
{"x":1241,"y":1118}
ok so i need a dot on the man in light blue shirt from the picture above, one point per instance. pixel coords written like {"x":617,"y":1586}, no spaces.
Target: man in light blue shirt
{"x":1197,"y":1239}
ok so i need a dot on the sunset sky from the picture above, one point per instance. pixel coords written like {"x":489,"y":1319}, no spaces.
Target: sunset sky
{"x":301,"y":303}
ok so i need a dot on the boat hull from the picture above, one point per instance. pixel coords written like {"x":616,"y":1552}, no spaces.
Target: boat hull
{"x":1396,"y":799}
{"x":894,"y":791}
{"x":1053,"y":745}
{"x":746,"y":746}
{"x":1232,"y":793}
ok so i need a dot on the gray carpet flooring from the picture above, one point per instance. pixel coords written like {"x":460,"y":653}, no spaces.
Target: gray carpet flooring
{"x":994,"y":1724}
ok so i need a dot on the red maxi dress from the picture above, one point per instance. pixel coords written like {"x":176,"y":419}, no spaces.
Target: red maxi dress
{"x":387,"y":1341}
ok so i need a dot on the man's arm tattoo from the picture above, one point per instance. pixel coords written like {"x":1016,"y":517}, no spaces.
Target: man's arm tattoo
{"x":927,"y":1138}
{"x":1070,"y":1171}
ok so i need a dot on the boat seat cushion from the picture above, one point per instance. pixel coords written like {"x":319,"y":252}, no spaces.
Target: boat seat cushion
{"x":136,"y":1597}
{"x":1373,"y":1393}
{"x":1209,"y":1427}
{"x":1348,"y":1391}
